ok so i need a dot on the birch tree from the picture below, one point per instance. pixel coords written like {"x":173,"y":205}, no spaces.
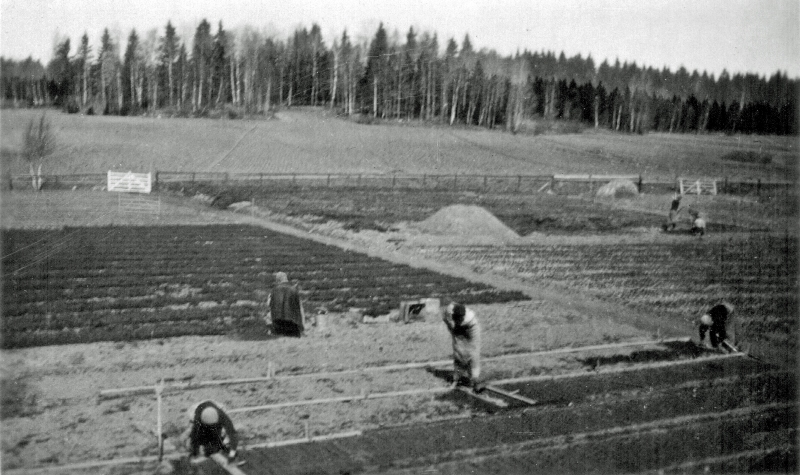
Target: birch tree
{"x":131,"y":66}
{"x":169,"y":50}
{"x":84,"y":65}
{"x":150,"y":60}
{"x":374,"y":76}
{"x":39,"y":142}
{"x":201,"y":51}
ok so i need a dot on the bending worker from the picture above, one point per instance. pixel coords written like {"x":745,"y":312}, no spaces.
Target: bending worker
{"x":285,"y":309}
{"x":718,"y":323}
{"x":466,"y":334}
{"x":698,"y":223}
{"x":210,"y":429}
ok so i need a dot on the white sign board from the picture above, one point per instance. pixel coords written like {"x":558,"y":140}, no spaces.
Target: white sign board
{"x":129,"y":182}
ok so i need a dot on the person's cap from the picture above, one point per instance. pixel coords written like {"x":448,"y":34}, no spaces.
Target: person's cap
{"x":706,"y":319}
{"x":459,"y":310}
{"x":281,"y":277}
{"x":209,"y":416}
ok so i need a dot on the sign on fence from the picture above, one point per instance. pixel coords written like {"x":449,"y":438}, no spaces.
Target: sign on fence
{"x":138,"y":204}
{"x":698,"y":187}
{"x":129,"y":182}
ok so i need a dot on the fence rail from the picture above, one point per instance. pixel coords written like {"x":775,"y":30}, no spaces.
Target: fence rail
{"x":498,"y":183}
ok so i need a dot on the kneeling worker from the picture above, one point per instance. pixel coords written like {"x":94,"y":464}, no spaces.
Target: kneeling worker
{"x":718,"y":323}
{"x":210,"y":429}
{"x":466,"y":334}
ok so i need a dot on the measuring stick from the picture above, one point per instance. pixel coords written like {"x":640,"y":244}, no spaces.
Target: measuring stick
{"x":159,"y":390}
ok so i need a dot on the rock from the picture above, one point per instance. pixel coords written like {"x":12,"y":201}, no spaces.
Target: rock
{"x":203,"y":198}
{"x":240,"y":205}
{"x":164,"y":468}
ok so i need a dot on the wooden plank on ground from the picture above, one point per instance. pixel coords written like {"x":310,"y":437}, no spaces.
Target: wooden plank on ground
{"x":222,"y":461}
{"x":482,"y":397}
{"x":511,"y":395}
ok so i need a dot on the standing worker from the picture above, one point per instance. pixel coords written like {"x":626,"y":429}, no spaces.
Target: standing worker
{"x":285,"y":309}
{"x":719,"y":324}
{"x":674,"y":209}
{"x":210,"y":429}
{"x":466,"y":334}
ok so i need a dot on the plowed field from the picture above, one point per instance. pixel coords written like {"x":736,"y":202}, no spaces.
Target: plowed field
{"x":711,"y":413}
{"x":658,"y":406}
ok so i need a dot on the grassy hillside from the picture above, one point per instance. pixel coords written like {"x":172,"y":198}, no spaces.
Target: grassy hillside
{"x":311,"y":141}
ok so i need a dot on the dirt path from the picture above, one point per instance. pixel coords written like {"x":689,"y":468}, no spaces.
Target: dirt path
{"x":381,"y":246}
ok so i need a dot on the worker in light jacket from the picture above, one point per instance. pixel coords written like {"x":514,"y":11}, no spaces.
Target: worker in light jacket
{"x":465,"y":332}
{"x":210,"y":429}
{"x":698,"y":223}
{"x":285,"y":308}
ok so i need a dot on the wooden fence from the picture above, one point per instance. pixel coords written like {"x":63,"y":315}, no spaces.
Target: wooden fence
{"x":562,"y":184}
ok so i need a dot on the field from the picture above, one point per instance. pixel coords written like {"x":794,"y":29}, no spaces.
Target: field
{"x":525,"y":213}
{"x":587,"y":307}
{"x":755,"y":272}
{"x":302,"y":141}
{"x":678,"y":418}
{"x":122,"y":283}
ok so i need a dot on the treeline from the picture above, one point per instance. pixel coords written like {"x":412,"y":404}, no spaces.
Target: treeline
{"x":407,"y":77}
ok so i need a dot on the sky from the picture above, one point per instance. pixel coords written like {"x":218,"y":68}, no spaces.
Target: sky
{"x":744,"y":36}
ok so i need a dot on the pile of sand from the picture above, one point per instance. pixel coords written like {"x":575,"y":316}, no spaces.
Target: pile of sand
{"x":466,"y":221}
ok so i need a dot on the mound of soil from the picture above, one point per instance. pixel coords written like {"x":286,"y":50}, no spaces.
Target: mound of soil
{"x":618,"y":189}
{"x":466,"y":220}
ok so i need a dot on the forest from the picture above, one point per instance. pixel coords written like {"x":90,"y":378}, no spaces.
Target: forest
{"x":407,"y":77}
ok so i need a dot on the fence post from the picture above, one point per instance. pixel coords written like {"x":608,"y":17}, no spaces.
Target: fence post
{"x":156,"y":181}
{"x":329,"y":180}
{"x":640,"y":184}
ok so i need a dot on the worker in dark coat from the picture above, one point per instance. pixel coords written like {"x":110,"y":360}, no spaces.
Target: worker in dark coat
{"x":212,"y":430}
{"x":674,"y":210}
{"x":285,"y":308}
{"x":719,"y":324}
{"x":465,"y":332}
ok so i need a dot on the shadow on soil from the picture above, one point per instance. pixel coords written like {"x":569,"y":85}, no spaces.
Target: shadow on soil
{"x":256,"y":332}
{"x":672,"y":351}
